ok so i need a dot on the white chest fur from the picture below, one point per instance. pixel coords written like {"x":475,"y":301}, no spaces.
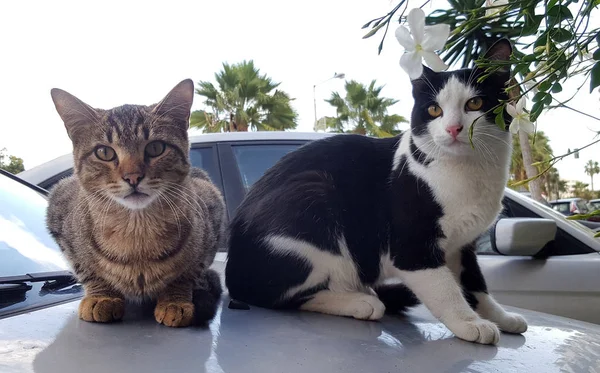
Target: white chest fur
{"x":469,"y":192}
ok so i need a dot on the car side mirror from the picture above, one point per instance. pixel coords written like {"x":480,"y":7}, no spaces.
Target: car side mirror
{"x":522,"y":236}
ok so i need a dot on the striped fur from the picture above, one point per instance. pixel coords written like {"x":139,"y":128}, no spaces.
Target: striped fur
{"x":158,"y":247}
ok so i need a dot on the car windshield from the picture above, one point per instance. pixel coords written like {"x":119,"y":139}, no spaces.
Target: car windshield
{"x":25,"y":244}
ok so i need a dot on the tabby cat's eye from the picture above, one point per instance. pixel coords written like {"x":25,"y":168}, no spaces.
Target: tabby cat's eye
{"x":474,"y":104}
{"x":155,"y":148}
{"x":105,"y":153}
{"x":434,"y":110}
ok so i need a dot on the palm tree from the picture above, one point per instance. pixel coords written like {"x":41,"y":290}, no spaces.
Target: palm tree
{"x":536,"y":149}
{"x":362,"y":111}
{"x":592,"y":168}
{"x":579,"y":189}
{"x":243,"y":99}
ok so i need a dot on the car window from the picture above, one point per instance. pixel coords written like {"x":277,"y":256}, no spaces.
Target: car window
{"x":582,"y":207}
{"x":204,"y":158}
{"x":25,"y":244}
{"x":563,"y":208}
{"x":254,"y":160}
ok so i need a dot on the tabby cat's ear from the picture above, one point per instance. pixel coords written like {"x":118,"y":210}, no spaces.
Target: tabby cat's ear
{"x":499,"y":51}
{"x":177,"y":104}
{"x":76,"y":114}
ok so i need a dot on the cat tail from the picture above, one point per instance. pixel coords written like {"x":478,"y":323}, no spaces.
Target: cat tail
{"x":397,"y":298}
{"x":206,"y":298}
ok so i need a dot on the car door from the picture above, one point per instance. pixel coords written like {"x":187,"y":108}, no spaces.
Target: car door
{"x":563,"y":280}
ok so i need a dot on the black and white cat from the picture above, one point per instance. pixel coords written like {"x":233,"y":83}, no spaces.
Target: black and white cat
{"x":330,"y":225}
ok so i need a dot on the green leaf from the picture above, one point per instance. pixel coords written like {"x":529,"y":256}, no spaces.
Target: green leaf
{"x":539,"y":96}
{"x":545,"y":85}
{"x":560,"y":12}
{"x":500,"y":120}
{"x":595,"y":76}
{"x":548,"y":99}
{"x":596,"y":54}
{"x":556,"y":88}
{"x":551,"y":3}
{"x":561,"y":35}
{"x":532,"y":24}
{"x":536,"y":110}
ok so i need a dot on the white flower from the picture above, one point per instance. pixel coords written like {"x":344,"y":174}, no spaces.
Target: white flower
{"x":520,"y":117}
{"x":494,"y":7}
{"x":423,"y":43}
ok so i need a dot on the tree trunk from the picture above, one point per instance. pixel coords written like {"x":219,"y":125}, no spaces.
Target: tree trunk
{"x":548,"y":188}
{"x":592,"y":177}
{"x":534,"y":185}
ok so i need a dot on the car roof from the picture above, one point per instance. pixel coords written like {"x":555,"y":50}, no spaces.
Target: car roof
{"x":260,"y":340}
{"x":565,"y":200}
{"x":57,"y":165}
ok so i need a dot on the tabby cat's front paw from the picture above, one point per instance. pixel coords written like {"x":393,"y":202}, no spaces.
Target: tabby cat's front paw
{"x":101,"y":309}
{"x":174,"y":314}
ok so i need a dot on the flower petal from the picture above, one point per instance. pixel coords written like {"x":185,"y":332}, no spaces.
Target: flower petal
{"x":511,"y":110}
{"x":434,"y":61}
{"x":514,"y":127}
{"x":404,"y":38}
{"x":526,"y":126}
{"x":435,"y":37}
{"x":411,"y":63}
{"x":521,"y":104}
{"x":416,"y":22}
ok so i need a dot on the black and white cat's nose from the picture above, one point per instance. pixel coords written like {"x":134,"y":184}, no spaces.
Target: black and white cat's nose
{"x":454,"y":130}
{"x":133,"y":179}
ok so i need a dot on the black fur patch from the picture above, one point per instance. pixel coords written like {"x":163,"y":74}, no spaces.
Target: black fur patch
{"x":396,"y":298}
{"x":206,"y":299}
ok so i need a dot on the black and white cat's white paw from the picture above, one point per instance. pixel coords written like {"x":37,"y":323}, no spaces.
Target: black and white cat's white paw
{"x":367,"y":307}
{"x":357,"y":305}
{"x":512,"y":323}
{"x":477,"y":330}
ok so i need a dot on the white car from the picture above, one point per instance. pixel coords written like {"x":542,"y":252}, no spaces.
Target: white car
{"x":533,"y":258}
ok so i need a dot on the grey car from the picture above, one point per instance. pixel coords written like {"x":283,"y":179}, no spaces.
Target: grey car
{"x":560,"y":277}
{"x":40,"y":331}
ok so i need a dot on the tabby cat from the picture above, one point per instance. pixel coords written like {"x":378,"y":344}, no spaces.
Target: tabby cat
{"x":135,"y":220}
{"x":350,"y":225}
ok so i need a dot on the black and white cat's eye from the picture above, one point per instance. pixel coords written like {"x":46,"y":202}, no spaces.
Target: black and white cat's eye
{"x":474,"y":104}
{"x":434,"y":110}
{"x":155,"y":148}
{"x":105,"y":153}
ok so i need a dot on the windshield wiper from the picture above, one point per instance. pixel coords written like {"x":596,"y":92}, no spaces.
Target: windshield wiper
{"x":52,"y":281}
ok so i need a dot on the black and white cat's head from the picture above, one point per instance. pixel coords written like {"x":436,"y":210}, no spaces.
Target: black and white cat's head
{"x":447,"y":104}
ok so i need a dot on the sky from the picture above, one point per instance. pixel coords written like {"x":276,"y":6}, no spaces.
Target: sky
{"x":111,"y":53}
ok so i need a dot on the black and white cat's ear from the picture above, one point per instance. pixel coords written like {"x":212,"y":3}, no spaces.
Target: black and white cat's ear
{"x":500,"y":51}
{"x":76,"y":114}
{"x":177,"y":104}
{"x":427,"y":72}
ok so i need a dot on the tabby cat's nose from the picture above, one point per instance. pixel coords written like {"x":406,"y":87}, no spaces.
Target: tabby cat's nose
{"x":133,"y":179}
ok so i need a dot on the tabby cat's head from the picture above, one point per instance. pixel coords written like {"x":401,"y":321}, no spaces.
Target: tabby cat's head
{"x":131,"y":153}
{"x":448,"y":103}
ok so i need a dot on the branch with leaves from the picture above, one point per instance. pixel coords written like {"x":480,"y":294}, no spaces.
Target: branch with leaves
{"x":554,"y":42}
